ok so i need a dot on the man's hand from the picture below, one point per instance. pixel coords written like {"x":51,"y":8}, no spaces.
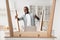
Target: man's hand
{"x":37,"y":17}
{"x":16,"y":17}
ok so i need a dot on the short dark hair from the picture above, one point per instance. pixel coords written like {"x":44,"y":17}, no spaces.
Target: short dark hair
{"x":27,"y":9}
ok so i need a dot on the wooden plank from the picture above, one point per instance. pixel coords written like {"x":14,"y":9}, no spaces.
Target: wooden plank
{"x":9,"y":18}
{"x":17,"y":21}
{"x":49,"y":31}
{"x":42,"y":21}
{"x":31,"y":34}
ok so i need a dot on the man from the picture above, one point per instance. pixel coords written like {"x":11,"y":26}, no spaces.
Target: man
{"x":28,"y":18}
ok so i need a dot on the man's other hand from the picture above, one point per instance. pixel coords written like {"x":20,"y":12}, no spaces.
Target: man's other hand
{"x":16,"y":17}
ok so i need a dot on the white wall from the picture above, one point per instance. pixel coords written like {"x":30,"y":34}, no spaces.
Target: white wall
{"x":3,"y":14}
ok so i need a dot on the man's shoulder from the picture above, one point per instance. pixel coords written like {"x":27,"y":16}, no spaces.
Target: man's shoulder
{"x":31,"y":14}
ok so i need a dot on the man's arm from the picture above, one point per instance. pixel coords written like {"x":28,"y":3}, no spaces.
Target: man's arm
{"x":37,"y":17}
{"x":19,"y":18}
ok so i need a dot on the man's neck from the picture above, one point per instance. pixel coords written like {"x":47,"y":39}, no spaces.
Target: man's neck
{"x":26,"y":13}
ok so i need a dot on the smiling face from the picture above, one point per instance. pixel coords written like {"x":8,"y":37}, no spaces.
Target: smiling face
{"x":26,"y":10}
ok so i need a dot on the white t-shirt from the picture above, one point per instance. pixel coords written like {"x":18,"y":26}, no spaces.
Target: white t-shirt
{"x":28,"y":18}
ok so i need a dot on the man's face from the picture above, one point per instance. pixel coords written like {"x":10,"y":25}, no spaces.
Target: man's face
{"x":25,"y":10}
